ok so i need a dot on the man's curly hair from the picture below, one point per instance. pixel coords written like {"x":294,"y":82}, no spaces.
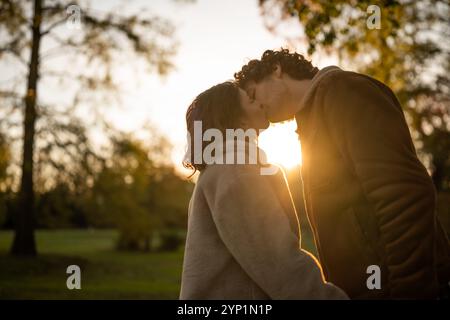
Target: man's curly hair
{"x":294,"y":64}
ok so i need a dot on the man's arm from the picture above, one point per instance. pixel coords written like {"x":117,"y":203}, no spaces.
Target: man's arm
{"x":369,"y":127}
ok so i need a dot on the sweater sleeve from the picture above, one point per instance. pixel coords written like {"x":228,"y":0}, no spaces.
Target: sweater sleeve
{"x":254,"y":228}
{"x":369,"y":127}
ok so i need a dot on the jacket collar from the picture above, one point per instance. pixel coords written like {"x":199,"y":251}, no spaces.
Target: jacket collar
{"x":323,"y":73}
{"x":246,"y":148}
{"x":307,"y":101}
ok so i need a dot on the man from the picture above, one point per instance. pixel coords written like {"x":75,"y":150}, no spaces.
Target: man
{"x":369,"y":199}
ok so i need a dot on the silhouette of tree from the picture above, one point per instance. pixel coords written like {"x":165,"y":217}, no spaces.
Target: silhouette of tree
{"x":87,"y":54}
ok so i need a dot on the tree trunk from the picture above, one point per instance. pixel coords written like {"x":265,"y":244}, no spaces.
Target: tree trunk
{"x":24,"y":242}
{"x":438,"y":174}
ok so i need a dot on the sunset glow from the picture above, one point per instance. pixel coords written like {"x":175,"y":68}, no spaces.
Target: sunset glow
{"x":281,"y":144}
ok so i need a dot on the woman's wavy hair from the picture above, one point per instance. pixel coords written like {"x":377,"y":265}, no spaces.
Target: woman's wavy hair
{"x":293,"y":64}
{"x":218,"y":107}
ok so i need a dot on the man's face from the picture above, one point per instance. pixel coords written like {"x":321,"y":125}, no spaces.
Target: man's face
{"x":273,"y":93}
{"x":254,"y":115}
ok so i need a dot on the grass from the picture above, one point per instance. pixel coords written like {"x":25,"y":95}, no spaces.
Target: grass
{"x":105,"y":272}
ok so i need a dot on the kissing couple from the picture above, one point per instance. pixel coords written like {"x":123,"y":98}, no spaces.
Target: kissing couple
{"x":369,"y":200}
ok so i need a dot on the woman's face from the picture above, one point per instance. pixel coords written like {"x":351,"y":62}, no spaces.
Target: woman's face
{"x":254,"y":114}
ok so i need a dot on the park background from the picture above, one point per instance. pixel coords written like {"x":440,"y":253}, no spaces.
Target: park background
{"x":92,"y":132}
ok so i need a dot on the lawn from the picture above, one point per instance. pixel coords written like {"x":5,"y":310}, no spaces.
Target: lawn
{"x":105,"y":272}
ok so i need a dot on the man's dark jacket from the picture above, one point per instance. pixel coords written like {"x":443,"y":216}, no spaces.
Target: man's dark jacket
{"x":369,"y":199}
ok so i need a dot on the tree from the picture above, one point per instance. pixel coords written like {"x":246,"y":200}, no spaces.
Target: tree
{"x":4,"y":185}
{"x":27,"y":28}
{"x":409,"y":52}
{"x":4,"y":159}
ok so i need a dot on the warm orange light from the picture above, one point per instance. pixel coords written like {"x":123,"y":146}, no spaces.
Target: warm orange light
{"x":281,"y":144}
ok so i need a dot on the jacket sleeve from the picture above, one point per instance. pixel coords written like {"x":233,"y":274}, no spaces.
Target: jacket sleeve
{"x":254,"y":228}
{"x":369,"y":127}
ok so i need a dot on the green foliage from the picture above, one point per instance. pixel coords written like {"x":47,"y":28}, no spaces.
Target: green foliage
{"x":137,"y":195}
{"x":57,"y":208}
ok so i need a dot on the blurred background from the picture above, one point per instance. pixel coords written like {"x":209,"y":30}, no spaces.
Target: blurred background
{"x":93,"y":97}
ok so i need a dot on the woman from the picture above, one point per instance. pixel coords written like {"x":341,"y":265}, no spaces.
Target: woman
{"x":243,"y":239}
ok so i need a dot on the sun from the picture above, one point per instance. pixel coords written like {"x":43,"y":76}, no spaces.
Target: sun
{"x":281,"y":144}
